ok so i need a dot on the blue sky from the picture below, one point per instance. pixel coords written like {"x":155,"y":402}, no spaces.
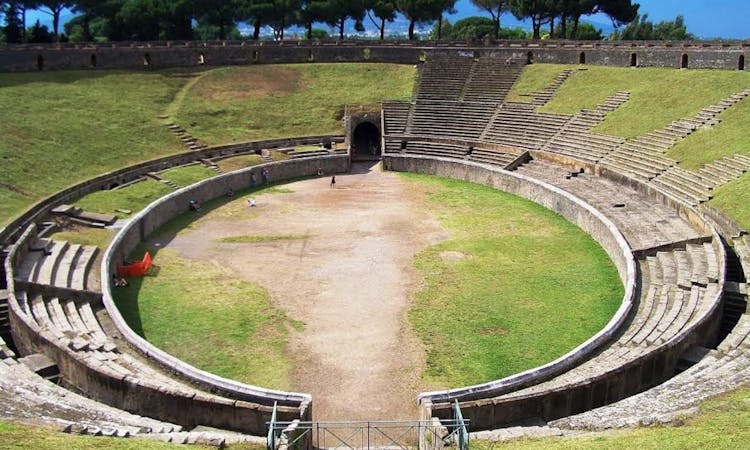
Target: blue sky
{"x":704,"y":18}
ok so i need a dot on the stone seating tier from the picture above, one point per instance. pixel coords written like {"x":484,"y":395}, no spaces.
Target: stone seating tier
{"x":492,"y":157}
{"x":464,"y":120}
{"x":59,"y":264}
{"x":395,"y":116}
{"x":644,"y":223}
{"x":436,"y":149}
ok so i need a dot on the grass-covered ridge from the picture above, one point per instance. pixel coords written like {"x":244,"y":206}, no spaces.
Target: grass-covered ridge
{"x":515,"y":287}
{"x":722,"y":424}
{"x":658,"y":96}
{"x":62,"y":127}
{"x":235,"y":104}
{"x":15,"y":436}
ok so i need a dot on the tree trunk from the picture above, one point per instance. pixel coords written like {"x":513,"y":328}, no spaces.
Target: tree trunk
{"x":56,"y":24}
{"x":564,"y":26}
{"x":497,"y":25}
{"x":382,"y":29}
{"x":86,"y":25}
{"x":574,"y":33}
{"x":552,"y":27}
{"x":342,"y":22}
{"x":411,"y":29}
{"x":536,"y":24}
{"x":256,"y":29}
{"x":440,"y":27}
{"x":222,"y":30}
{"x":309,"y":30}
{"x":24,"y":37}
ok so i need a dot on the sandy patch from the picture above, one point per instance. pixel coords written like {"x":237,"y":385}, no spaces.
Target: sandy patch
{"x":350,"y":282}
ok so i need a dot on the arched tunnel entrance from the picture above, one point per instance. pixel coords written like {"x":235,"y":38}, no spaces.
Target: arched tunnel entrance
{"x":366,"y":141}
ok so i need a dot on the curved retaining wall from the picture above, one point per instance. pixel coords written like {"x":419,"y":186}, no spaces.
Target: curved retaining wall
{"x":568,"y":206}
{"x":150,"y":55}
{"x":478,"y":402}
{"x":39,"y":210}
{"x":169,"y":207}
{"x":245,"y":408}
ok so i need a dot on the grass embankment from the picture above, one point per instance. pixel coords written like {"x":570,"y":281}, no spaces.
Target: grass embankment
{"x":131,"y":198}
{"x":202,"y":314}
{"x":534,"y":78}
{"x":658,"y":96}
{"x":236,"y":104}
{"x":723,"y":423}
{"x":515,"y":287}
{"x":14,"y":436}
{"x":187,"y":175}
{"x":82,"y":235}
{"x":62,"y":127}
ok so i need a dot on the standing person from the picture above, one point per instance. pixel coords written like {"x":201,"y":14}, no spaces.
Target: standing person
{"x":253,"y":179}
{"x":333,"y":181}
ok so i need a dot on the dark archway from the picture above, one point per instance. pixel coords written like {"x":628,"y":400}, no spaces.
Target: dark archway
{"x":582,"y":58}
{"x":366,"y":141}
{"x":147,"y":60}
{"x":39,"y":62}
{"x":93,"y":60}
{"x":530,"y":58}
{"x":684,"y":61}
{"x":633,"y":60}
{"x":741,"y":63}
{"x":201,"y":59}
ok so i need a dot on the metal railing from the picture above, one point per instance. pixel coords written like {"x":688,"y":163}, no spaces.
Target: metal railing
{"x":370,"y":434}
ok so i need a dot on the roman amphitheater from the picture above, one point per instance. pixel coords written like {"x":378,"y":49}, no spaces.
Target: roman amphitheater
{"x":679,"y":334}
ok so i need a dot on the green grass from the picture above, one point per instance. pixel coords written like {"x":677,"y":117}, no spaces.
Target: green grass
{"x":723,"y":423}
{"x":259,"y":239}
{"x":734,"y":199}
{"x":85,"y":236}
{"x":77,"y":124}
{"x":726,"y":138}
{"x":206,"y":316}
{"x":239,"y":162}
{"x":264,"y":102}
{"x":530,"y":285}
{"x":134,"y":197}
{"x":13,"y":436}
{"x":658,"y":96}
{"x":534,"y":78}
{"x":187,"y":175}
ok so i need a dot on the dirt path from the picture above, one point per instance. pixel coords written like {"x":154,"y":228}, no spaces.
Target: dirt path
{"x":349,"y":281}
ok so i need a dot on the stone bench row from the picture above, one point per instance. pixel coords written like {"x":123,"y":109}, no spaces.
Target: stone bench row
{"x":60,"y":264}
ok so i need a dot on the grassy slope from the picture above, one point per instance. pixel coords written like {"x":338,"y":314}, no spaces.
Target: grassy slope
{"x":79,"y":123}
{"x":518,"y":299}
{"x":185,"y":176}
{"x":724,"y":423}
{"x":534,"y":78}
{"x":203,"y":314}
{"x":657,"y":95}
{"x":19,"y":437}
{"x":264,"y":102}
{"x":727,"y":138}
{"x":134,"y":198}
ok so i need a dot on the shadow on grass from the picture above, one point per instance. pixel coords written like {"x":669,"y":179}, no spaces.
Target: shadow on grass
{"x":126,"y":298}
{"x":74,"y":76}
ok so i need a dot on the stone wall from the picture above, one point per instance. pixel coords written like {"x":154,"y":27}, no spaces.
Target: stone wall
{"x":574,"y":210}
{"x":121,"y":176}
{"x":478,"y":402}
{"x":159,"y":55}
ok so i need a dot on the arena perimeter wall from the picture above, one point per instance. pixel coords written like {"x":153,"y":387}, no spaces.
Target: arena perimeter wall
{"x":166,"y":54}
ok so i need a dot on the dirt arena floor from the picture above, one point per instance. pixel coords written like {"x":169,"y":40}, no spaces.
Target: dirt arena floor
{"x":347,"y":275}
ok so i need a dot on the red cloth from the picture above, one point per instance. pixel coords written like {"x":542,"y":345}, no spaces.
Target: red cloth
{"x":138,"y":269}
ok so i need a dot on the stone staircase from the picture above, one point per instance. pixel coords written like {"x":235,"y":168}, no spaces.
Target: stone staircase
{"x":187,"y":140}
{"x":542,"y":97}
{"x":212,"y":165}
{"x":156,"y":177}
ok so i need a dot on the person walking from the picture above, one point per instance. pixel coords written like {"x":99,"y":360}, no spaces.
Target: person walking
{"x":333,"y":181}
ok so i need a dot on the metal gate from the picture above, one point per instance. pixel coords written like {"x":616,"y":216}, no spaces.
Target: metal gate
{"x":372,"y":434}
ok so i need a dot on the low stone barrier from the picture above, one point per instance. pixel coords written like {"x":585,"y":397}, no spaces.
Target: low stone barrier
{"x":478,"y":402}
{"x":573,"y":209}
{"x":122,"y":176}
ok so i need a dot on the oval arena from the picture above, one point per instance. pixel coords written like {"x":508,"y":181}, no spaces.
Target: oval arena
{"x":679,"y":336}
